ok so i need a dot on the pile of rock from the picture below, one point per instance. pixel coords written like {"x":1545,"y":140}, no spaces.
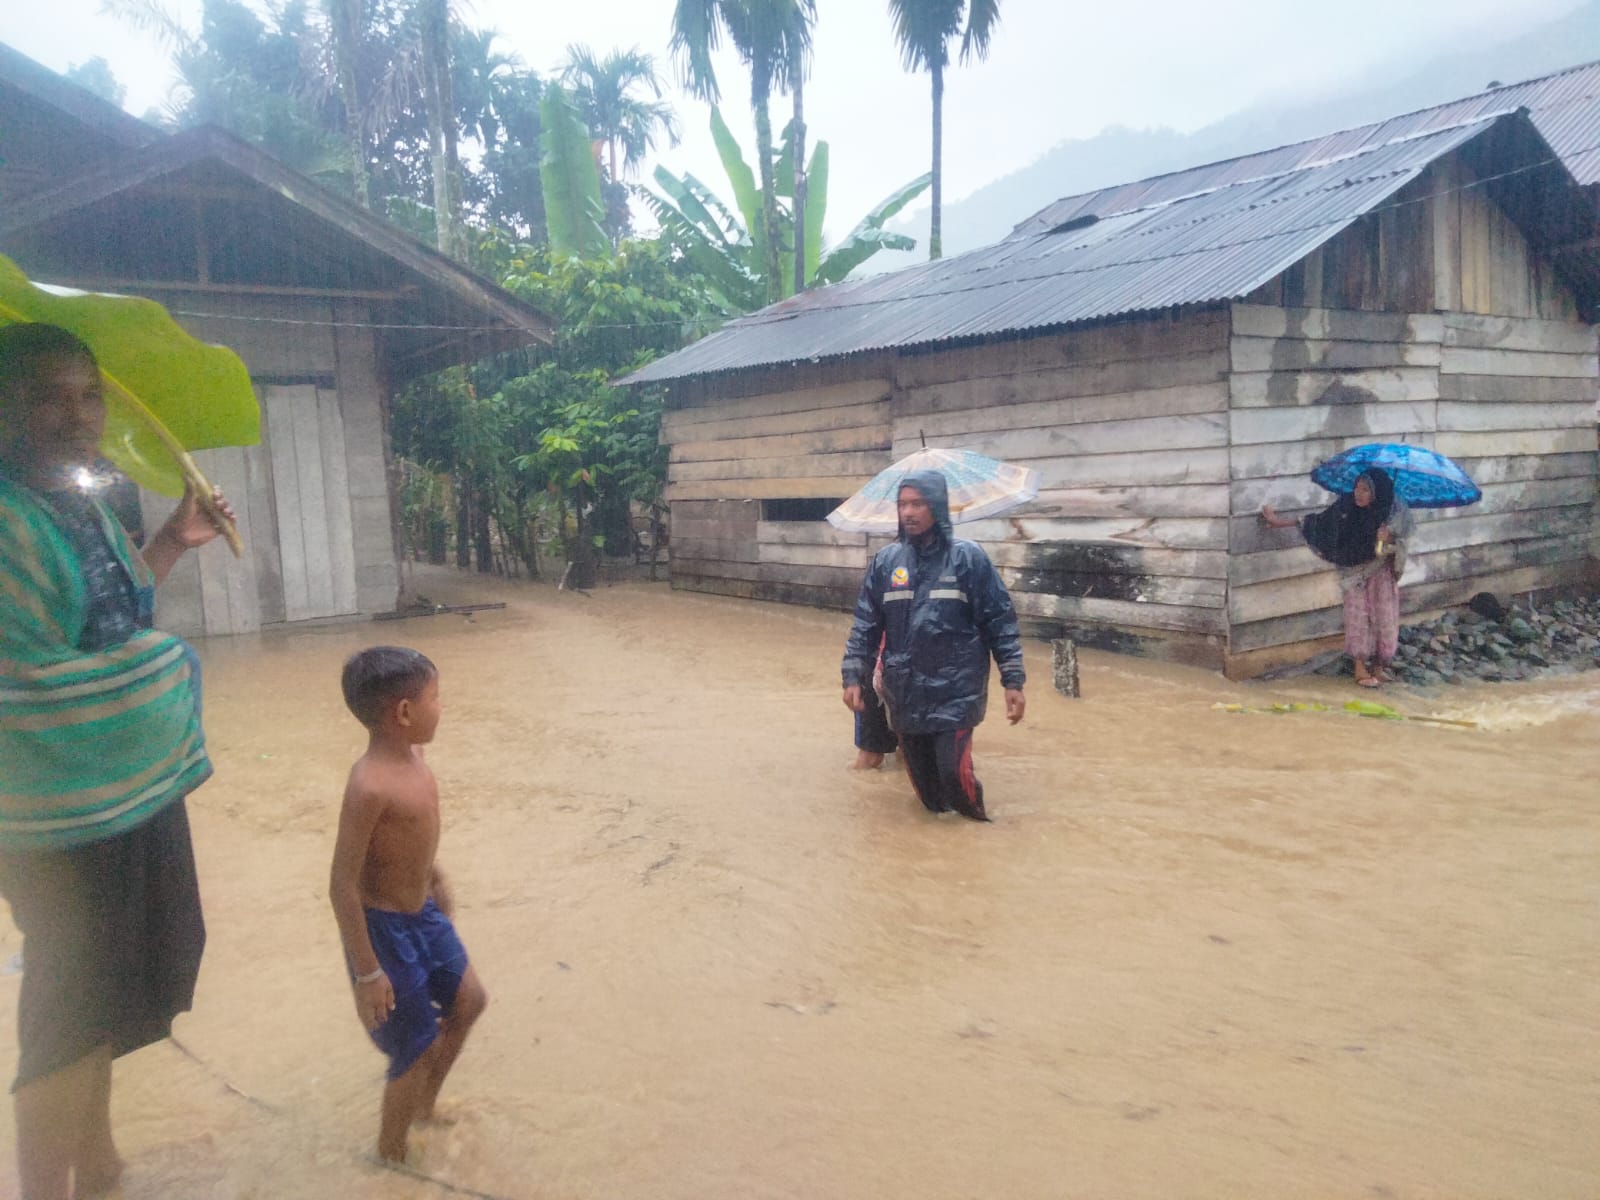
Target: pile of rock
{"x":1490,"y":643}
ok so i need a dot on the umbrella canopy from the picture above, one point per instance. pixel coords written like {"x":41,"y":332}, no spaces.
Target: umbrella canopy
{"x":979,"y":487}
{"x":166,"y":393}
{"x":1422,"y":478}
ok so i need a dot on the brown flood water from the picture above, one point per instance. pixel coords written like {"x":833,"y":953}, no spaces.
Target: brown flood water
{"x":1199,"y":954}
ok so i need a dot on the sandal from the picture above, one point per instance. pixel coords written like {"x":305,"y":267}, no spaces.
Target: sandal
{"x":1369,"y":681}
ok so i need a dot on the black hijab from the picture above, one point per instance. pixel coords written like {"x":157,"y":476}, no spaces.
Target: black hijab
{"x":1346,"y":534}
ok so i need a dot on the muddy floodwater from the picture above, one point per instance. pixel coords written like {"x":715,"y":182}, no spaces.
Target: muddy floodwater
{"x":1198,"y":954}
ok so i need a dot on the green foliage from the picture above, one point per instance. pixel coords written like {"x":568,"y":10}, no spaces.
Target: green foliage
{"x":728,"y":250}
{"x":95,"y":76}
{"x":573,"y":210}
{"x":540,"y":436}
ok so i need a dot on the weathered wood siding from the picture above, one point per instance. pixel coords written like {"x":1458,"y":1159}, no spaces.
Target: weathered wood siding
{"x":727,"y":456}
{"x":1127,"y":425}
{"x":318,"y":544}
{"x":1440,"y":245}
{"x":1512,"y":399}
{"x":1157,"y":440}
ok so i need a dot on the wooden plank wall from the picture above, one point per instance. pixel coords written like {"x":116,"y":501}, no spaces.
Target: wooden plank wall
{"x":1127,"y":425}
{"x":1440,"y":245}
{"x":1510,"y":398}
{"x":727,"y":456}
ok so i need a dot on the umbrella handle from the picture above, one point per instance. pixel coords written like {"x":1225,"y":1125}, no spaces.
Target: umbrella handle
{"x":192,"y":475}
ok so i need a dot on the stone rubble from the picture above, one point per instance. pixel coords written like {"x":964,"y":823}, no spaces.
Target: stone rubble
{"x":1558,"y":637}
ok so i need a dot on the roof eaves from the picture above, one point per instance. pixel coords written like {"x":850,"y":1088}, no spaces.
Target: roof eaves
{"x":208,"y":142}
{"x":36,"y":80}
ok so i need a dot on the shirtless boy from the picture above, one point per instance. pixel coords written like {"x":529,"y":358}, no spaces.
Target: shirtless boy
{"x":415,"y":993}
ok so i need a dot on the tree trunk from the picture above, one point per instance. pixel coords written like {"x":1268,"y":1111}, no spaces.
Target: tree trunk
{"x":935,"y":239}
{"x":463,"y":525}
{"x":443,"y":152}
{"x":799,"y":141}
{"x":760,"y":92}
{"x":344,"y":23}
{"x":580,"y":560}
{"x":481,"y":536}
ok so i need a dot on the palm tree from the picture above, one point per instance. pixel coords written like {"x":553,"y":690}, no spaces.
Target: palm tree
{"x":344,"y":45}
{"x":433,"y":36}
{"x":603,"y":91}
{"x":924,"y":29}
{"x":799,"y":67}
{"x":770,"y":37}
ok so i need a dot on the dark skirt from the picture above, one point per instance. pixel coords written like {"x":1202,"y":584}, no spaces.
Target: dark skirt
{"x":112,"y":938}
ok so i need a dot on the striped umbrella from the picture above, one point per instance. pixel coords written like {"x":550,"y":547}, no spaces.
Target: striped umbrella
{"x":979,"y":487}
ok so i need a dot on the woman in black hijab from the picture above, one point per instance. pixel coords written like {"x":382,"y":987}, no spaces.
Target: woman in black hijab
{"x":1363,"y":535}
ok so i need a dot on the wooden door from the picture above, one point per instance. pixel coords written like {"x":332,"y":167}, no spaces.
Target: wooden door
{"x":311,"y":492}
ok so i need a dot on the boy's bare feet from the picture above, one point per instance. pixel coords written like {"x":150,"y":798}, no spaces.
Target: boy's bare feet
{"x":866,"y":761}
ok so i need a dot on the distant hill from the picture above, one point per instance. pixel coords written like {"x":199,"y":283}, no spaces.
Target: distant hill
{"x":1120,"y":155}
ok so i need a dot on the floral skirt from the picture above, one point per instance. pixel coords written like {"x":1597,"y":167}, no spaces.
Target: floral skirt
{"x":1372,"y":618}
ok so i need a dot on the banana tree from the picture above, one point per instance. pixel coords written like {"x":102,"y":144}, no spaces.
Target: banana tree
{"x":728,"y":249}
{"x":574,"y":212}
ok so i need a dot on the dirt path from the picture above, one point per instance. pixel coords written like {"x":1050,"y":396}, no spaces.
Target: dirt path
{"x":1198,"y":953}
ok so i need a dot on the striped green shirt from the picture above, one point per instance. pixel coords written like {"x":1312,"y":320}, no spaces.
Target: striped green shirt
{"x":93,"y":741}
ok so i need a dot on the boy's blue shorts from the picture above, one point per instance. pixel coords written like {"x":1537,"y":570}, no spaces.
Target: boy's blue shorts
{"x":425,"y":961}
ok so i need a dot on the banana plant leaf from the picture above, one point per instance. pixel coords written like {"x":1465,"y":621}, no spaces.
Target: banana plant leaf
{"x":868,"y":237}
{"x":574,"y":212}
{"x":746,"y":193}
{"x":166,"y":393}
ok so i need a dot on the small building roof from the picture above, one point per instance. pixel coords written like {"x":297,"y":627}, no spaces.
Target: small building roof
{"x":204,"y":209}
{"x":1564,"y":107}
{"x":1195,"y":237}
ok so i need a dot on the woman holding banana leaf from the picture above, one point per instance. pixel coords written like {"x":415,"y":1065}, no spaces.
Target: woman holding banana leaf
{"x":101,"y":741}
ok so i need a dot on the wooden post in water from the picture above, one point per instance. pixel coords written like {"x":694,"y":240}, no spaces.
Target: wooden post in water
{"x":1064,"y":660}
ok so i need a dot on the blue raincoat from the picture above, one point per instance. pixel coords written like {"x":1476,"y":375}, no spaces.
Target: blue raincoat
{"x":944,"y":611}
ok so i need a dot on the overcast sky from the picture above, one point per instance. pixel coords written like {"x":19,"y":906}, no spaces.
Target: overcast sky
{"x":1057,"y":69}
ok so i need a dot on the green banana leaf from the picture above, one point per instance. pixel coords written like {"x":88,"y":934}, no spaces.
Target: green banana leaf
{"x":574,"y":213}
{"x":868,"y":237}
{"x":166,"y":392}
{"x":717,"y":262}
{"x":746,"y":193}
{"x":816,"y":207}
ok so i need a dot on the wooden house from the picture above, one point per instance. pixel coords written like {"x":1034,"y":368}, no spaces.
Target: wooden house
{"x":331,"y":308}
{"x":1169,"y":355}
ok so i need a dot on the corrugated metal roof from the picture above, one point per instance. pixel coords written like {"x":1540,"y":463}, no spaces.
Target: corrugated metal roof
{"x":1565,"y":108}
{"x":1155,"y":248}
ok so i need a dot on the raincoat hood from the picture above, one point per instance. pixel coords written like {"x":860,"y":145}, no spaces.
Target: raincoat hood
{"x":936,"y":491}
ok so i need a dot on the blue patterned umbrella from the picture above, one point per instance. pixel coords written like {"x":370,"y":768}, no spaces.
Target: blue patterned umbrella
{"x":979,"y":487}
{"x":1422,"y":478}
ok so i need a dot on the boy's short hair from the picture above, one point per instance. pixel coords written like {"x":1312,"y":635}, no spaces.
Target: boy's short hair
{"x":23,"y":347}
{"x":376,"y":679}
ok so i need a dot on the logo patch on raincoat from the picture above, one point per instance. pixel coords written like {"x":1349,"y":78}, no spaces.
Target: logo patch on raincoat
{"x":900,"y":578}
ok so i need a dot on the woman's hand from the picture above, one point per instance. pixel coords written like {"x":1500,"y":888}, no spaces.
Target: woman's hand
{"x":1271,"y":517}
{"x":191,"y":526}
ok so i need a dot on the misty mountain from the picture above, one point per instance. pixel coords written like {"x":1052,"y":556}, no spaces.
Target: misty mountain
{"x":1120,"y":155}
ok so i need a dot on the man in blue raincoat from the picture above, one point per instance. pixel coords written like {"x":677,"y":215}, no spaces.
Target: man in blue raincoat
{"x":944,"y":610}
